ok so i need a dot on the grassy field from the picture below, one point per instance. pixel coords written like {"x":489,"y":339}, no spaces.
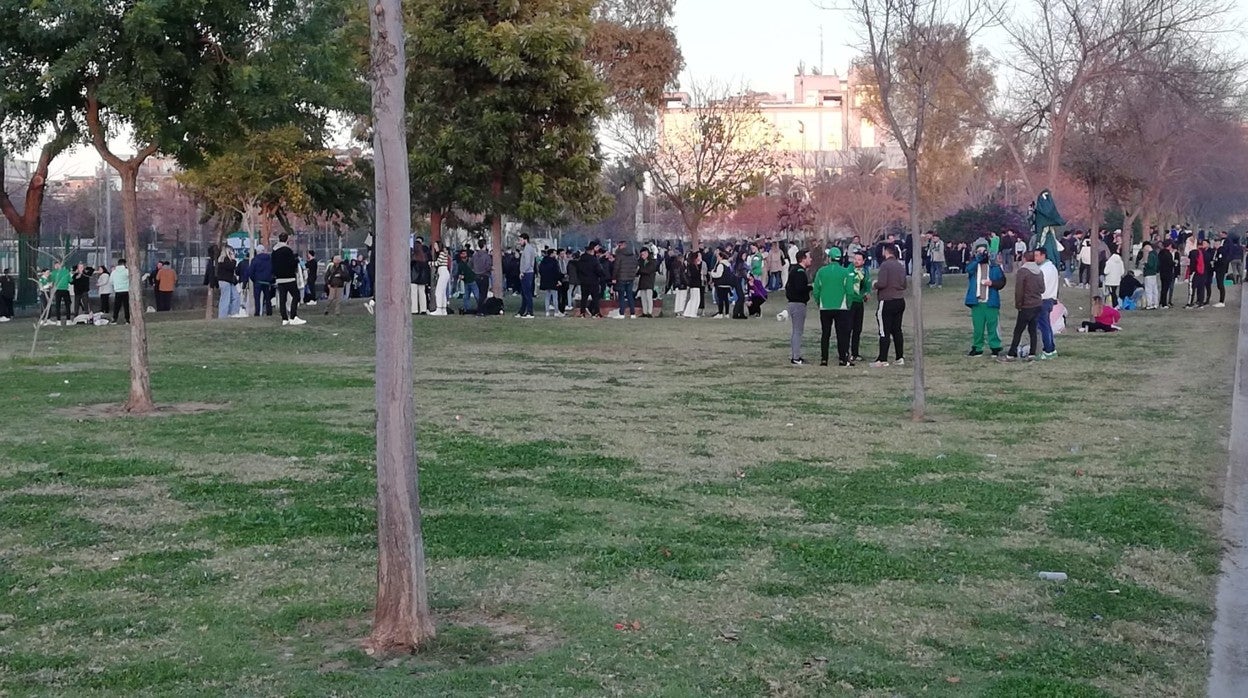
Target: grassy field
{"x":756,"y":528}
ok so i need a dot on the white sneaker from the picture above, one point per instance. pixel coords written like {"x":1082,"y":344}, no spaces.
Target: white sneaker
{"x":618,"y":317}
{"x":1083,"y":330}
{"x":298,"y":321}
{"x":561,"y":314}
{"x":899,"y":362}
{"x":1219,"y":305}
{"x":285,"y":323}
{"x":310,"y":303}
{"x":518,"y":315}
{"x":4,"y":319}
{"x":370,"y":306}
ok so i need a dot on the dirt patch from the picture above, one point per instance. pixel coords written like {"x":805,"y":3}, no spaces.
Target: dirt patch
{"x":466,"y":637}
{"x":114,"y":410}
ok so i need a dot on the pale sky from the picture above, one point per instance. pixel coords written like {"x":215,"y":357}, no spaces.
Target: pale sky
{"x":756,"y":43}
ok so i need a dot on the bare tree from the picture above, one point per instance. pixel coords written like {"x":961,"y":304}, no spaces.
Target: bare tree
{"x":909,"y":46}
{"x":401,"y":621}
{"x":707,"y":158}
{"x":1062,"y":48}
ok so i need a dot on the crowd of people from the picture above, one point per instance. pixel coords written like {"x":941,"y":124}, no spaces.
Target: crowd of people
{"x":627,"y":281}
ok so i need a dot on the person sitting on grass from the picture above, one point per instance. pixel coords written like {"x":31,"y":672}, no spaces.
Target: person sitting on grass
{"x":1104,"y":317}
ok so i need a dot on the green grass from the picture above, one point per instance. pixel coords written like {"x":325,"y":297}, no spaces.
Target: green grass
{"x":771,"y":530}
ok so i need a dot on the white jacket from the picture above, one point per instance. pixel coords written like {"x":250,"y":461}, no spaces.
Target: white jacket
{"x":1113,"y":270}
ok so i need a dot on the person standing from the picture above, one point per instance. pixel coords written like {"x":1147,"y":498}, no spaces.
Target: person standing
{"x":81,"y":284}
{"x":589,"y":272}
{"x":626,"y":279}
{"x":1028,"y":296}
{"x":8,"y":293}
{"x":309,"y":290}
{"x":831,"y":290}
{"x":465,"y":275}
{"x":418,"y":279}
{"x":104,"y":286}
{"x":647,"y":270}
{"x":564,"y":266}
{"x":1114,"y":269}
{"x":260,"y":275}
{"x":890,"y":292}
{"x":549,"y":280}
{"x":936,"y":255}
{"x":1221,"y":266}
{"x":1200,"y":268}
{"x":693,"y":276}
{"x":482,"y":268}
{"x":166,"y":282}
{"x":121,"y":290}
{"x":1047,"y":302}
{"x":985,"y":279}
{"x":1152,"y":293}
{"x":441,"y":267}
{"x":227,"y":283}
{"x":60,"y":280}
{"x":1168,"y":272}
{"x":337,"y":277}
{"x":286,"y":276}
{"x":528,"y":271}
{"x":860,"y":293}
{"x":723,"y":280}
{"x":797,"y":292}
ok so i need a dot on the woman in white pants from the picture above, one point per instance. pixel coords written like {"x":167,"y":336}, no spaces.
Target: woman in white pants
{"x":693,"y":276}
{"x":420,"y":281}
{"x":441,"y":260}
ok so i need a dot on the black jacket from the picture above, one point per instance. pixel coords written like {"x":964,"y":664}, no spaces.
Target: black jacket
{"x":419,"y":273}
{"x":7,"y":287}
{"x":548,"y":274}
{"x":646,"y":271}
{"x":227,"y":271}
{"x":285,"y":263}
{"x":589,"y":271}
{"x":797,"y":290}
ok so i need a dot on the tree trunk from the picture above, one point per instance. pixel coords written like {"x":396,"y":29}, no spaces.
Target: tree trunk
{"x":401,"y":621}
{"x":918,"y":407}
{"x":496,"y":242}
{"x":435,"y":226}
{"x":27,"y":264}
{"x":140,"y":399}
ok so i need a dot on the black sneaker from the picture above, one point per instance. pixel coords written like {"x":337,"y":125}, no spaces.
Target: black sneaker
{"x":975,"y":352}
{"x":823,"y":363}
{"x":996,"y":353}
{"x":798,"y":362}
{"x":843,"y":363}
{"x":856,"y":359}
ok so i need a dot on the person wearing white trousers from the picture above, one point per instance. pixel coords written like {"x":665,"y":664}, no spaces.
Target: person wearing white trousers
{"x":420,"y":302}
{"x":440,"y":291}
{"x":695,"y":300}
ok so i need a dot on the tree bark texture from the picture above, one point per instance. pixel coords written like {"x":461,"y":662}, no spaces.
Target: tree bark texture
{"x":918,"y":407}
{"x":401,"y":621}
{"x":496,"y":243}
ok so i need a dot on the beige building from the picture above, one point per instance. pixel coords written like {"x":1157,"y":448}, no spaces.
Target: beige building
{"x":821,"y":125}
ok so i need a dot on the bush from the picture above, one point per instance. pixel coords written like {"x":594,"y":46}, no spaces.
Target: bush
{"x":971,"y":223}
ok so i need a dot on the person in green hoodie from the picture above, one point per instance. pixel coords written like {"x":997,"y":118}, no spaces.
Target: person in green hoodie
{"x":859,"y":292}
{"x":832,"y":287}
{"x":1152,"y":278}
{"x":985,"y":279}
{"x":60,"y":279}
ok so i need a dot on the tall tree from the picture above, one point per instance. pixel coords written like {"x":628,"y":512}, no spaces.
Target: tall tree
{"x":503,"y":93}
{"x":633,"y":49}
{"x":181,"y":78}
{"x":708,"y":158}
{"x":910,"y":46}
{"x":36,"y":107}
{"x":1064,"y":48}
{"x":401,"y":621}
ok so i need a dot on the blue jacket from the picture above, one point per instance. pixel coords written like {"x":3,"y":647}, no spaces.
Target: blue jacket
{"x":994,"y":291}
{"x":261,"y":269}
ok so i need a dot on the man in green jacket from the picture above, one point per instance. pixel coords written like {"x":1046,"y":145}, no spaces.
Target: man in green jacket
{"x":60,"y":292}
{"x":832,"y":287}
{"x":860,"y":291}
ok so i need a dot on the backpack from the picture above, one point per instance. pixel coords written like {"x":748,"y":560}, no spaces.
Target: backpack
{"x":493,"y":306}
